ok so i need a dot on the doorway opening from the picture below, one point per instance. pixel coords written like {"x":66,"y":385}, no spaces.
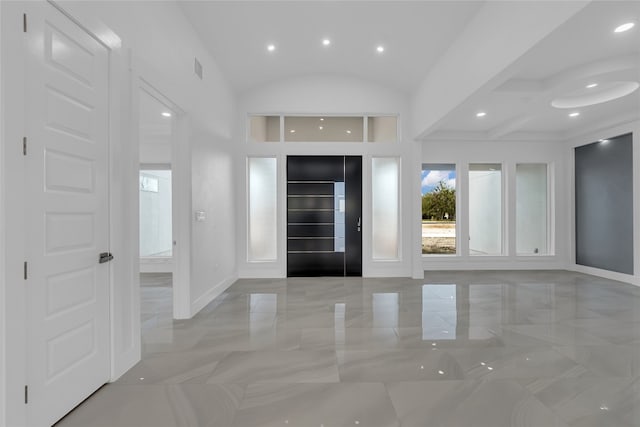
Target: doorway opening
{"x":324,"y":216}
{"x":156,"y":241}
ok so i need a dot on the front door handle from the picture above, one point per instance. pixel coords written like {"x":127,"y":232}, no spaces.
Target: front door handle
{"x":105,"y":257}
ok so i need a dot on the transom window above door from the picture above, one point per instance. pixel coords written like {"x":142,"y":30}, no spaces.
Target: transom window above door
{"x":322,"y":128}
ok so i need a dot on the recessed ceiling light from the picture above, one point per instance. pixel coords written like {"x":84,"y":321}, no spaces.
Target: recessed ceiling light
{"x":320,"y":127}
{"x":380,"y":49}
{"x":271,"y":47}
{"x":624,"y":27}
{"x":326,"y":42}
{"x":603,"y":141}
{"x":321,"y":119}
{"x":166,"y":114}
{"x":292,"y":131}
{"x":574,"y":114}
{"x":591,"y":85}
{"x":481,"y":114}
{"x":606,"y":92}
{"x":348,"y":131}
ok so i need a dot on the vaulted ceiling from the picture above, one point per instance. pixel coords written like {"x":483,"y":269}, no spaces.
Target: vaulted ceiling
{"x":414,"y":35}
{"x":421,"y":37}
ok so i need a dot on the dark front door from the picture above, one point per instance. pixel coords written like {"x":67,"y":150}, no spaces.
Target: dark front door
{"x":324,"y":216}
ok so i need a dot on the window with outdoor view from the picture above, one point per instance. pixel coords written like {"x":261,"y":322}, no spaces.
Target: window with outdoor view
{"x":438,"y":209}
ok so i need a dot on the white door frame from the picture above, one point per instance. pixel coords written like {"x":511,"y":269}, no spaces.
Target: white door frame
{"x":14,"y":299}
{"x":180,"y":199}
{"x":3,"y":371}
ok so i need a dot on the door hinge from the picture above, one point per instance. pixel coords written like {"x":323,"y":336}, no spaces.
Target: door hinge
{"x":24,"y":145}
{"x":26,"y":394}
{"x":24,"y":22}
{"x":25,"y":270}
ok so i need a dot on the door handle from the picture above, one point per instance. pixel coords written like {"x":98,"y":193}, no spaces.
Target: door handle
{"x":359,"y":223}
{"x":105,"y":257}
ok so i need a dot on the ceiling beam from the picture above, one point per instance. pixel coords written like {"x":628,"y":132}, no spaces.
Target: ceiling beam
{"x":512,"y":125}
{"x":499,"y":34}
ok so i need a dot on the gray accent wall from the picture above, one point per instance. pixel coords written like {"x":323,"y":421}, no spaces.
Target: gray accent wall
{"x":604,"y":204}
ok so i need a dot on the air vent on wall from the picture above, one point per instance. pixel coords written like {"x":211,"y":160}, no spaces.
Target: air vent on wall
{"x":197,"y":68}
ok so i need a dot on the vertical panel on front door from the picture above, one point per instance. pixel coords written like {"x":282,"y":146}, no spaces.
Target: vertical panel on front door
{"x":353,"y":217}
{"x":311,"y":191}
{"x":318,"y":215}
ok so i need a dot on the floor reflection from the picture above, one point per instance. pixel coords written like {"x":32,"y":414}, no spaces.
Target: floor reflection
{"x":537,"y":348}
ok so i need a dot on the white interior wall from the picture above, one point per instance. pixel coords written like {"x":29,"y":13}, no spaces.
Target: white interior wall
{"x":151,"y":40}
{"x":163,"y":50}
{"x":213,"y":239}
{"x":587,"y":138}
{"x":163,"y":46}
{"x":330,"y":95}
{"x":155,"y":153}
{"x":508,"y":153}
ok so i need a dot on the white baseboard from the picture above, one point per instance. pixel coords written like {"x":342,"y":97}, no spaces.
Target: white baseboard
{"x":611,"y":275}
{"x":262,"y":274}
{"x":492,"y":263}
{"x":211,"y":294}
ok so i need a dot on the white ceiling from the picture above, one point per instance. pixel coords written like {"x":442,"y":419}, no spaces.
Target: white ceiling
{"x":584,"y":50}
{"x":415,"y":35}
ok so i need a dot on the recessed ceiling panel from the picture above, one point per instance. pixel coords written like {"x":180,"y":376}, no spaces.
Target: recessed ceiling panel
{"x":595,"y":95}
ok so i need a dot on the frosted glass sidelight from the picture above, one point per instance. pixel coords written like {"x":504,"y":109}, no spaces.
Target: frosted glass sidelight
{"x":385,"y":177}
{"x":485,"y":209}
{"x":262,"y":208}
{"x":531,"y":209}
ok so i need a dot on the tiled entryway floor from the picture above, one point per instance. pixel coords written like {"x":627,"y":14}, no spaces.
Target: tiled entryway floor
{"x":457,"y":349}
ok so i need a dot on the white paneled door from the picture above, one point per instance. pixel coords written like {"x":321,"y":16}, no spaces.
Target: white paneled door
{"x":67,"y":214}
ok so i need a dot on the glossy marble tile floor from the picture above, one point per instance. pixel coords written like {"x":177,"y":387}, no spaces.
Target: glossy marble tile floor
{"x":457,"y":349}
